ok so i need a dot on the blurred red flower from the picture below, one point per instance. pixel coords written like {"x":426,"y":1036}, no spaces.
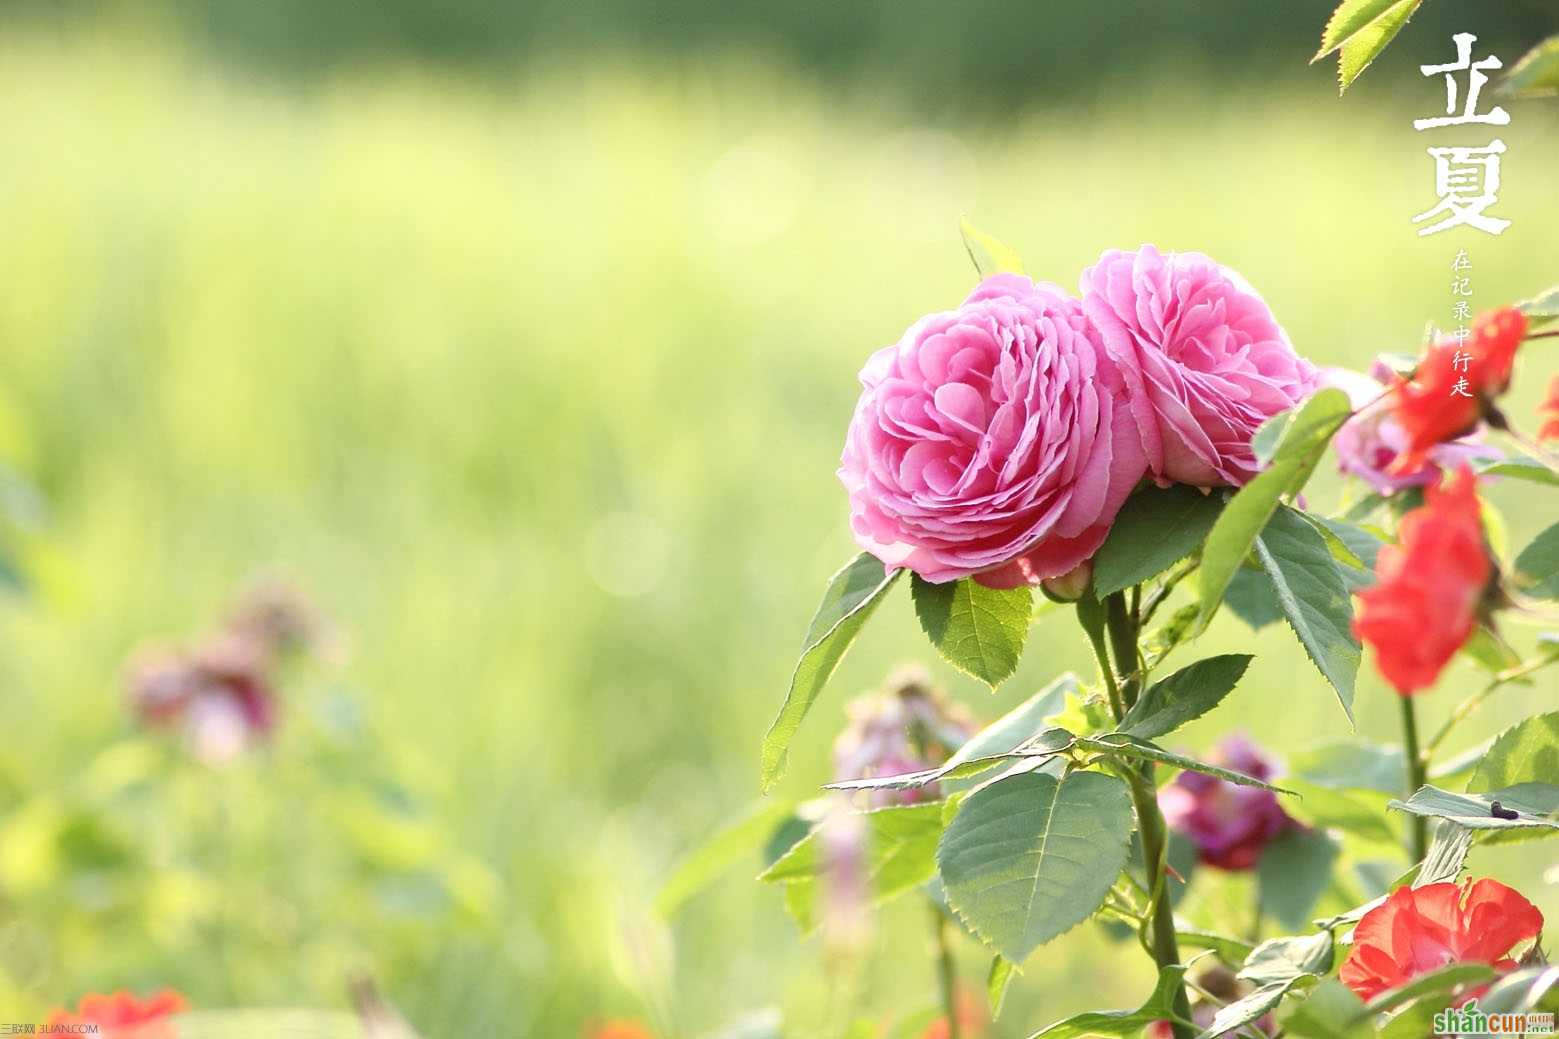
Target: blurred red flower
{"x":1419,"y":930}
{"x":1425,"y":603}
{"x":123,"y":1016}
{"x":1548,"y":411}
{"x":618,"y":1030}
{"x":971,"y":1019}
{"x":1454,"y":383}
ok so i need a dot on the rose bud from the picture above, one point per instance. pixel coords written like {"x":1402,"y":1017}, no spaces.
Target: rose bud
{"x":1070,"y":586}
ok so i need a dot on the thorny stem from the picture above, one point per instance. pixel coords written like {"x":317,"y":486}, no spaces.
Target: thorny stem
{"x":1418,"y":826}
{"x":1123,"y":640}
{"x":1473,"y":702}
{"x":947,"y":971}
{"x":1156,"y":599}
{"x":1162,"y":943}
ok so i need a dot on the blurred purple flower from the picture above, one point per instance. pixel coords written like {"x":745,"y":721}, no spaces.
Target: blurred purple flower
{"x":908,"y":727}
{"x":1229,"y":824}
{"x":222,"y":695}
{"x":1370,"y":441}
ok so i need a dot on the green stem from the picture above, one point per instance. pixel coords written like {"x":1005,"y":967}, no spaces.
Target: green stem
{"x":947,"y":970}
{"x":1091,"y":616}
{"x":1473,"y":702}
{"x":1418,"y":825}
{"x":1163,"y":943}
{"x":1123,"y":640}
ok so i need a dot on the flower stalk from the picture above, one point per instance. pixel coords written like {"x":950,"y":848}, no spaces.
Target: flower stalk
{"x":947,"y":971}
{"x":1418,"y":826}
{"x":1122,"y":626}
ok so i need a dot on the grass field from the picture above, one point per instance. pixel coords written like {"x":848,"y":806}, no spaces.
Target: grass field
{"x":538,"y":390}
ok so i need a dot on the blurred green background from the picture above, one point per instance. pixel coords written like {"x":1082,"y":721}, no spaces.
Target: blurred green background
{"x":524,"y":338}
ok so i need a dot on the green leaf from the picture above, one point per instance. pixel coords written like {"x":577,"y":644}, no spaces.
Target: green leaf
{"x":996,"y":982}
{"x":1447,"y":856}
{"x":1187,"y":694}
{"x":1414,"y":1021}
{"x":1532,"y":803}
{"x":1031,"y":856}
{"x":1365,"y":45}
{"x":1431,"y":983}
{"x":1131,"y":746}
{"x":900,"y":856}
{"x":1524,"y":753}
{"x":1293,"y":873}
{"x":989,"y":254}
{"x":1123,"y":1023}
{"x":1321,"y":807}
{"x":1252,"y":598}
{"x":744,"y":837}
{"x":1535,"y":75}
{"x":1330,"y":1011}
{"x":1350,"y":18}
{"x":1250,"y":1008}
{"x":852,"y":595}
{"x":1544,"y":307}
{"x":1155,"y":529}
{"x":1269,"y":435}
{"x":1288,"y":959}
{"x":1046,"y":741}
{"x":1489,"y":652}
{"x":1521,"y":990}
{"x":1234,"y":534}
{"x":1232,"y":951}
{"x":1313,"y":598}
{"x":1537,"y":567}
{"x":1352,"y":766}
{"x":1362,"y":543}
{"x":978,"y":630}
{"x":1023,"y":727}
{"x":1519,"y":469}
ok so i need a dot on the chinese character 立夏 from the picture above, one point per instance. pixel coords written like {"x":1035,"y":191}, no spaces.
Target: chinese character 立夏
{"x":1461,"y":361}
{"x":1461,"y":389}
{"x":1467,"y":181}
{"x":1475,"y":80}
{"x":1461,"y":310}
{"x":1463,"y":262}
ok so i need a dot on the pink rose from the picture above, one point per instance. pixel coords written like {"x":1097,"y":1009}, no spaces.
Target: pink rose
{"x":994,"y":439}
{"x":1229,"y":824}
{"x":1370,"y":442}
{"x":1204,"y":360}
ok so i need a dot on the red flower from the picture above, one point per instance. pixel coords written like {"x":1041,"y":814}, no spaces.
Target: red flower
{"x":1425,"y":603}
{"x":1454,"y":384}
{"x":1548,"y":411}
{"x":619,"y":1030}
{"x":123,"y":1015}
{"x":1419,"y":930}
